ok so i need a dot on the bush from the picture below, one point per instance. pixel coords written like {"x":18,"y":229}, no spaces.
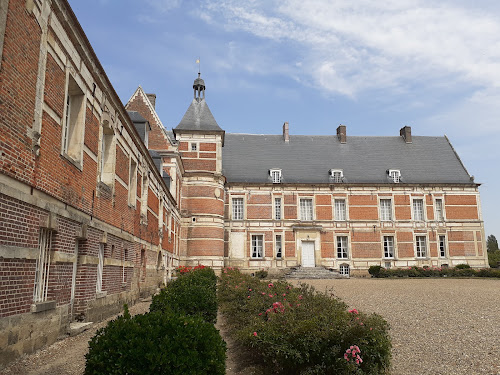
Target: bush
{"x":494,"y":258}
{"x":156,"y":343}
{"x":375,"y":270}
{"x":261,"y":274}
{"x":295,"y":330}
{"x":462,"y":266}
{"x":193,"y":293}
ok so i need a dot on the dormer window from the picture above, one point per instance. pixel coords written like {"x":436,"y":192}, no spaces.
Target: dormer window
{"x":275,"y":175}
{"x":395,"y":175}
{"x":336,"y":175}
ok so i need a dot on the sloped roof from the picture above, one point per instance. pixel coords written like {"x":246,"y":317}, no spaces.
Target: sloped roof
{"x":308,"y":159}
{"x":136,"y":116}
{"x":198,"y":118}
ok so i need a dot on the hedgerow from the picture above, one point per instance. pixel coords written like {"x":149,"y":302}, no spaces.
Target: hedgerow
{"x":461,"y":270}
{"x":296,"y":330}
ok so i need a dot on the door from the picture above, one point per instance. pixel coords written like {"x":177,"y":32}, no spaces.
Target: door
{"x":308,"y":254}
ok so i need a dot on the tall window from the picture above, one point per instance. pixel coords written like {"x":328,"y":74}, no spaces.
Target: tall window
{"x":237,"y":208}
{"x":418,"y":209}
{"x":124,"y":270}
{"x":278,"y":247}
{"x":275,"y":175}
{"x":100,"y":267}
{"x":385,"y":209}
{"x":107,"y":154}
{"x":74,"y":121}
{"x":306,"y":209}
{"x":388,"y":246}
{"x":144,"y":193}
{"x":421,"y":246}
{"x":132,"y":183}
{"x":342,"y":247}
{"x":257,"y":246}
{"x":42,"y":266}
{"x":442,"y":246}
{"x":277,"y":208}
{"x":340,"y":211}
{"x":439,"y":210}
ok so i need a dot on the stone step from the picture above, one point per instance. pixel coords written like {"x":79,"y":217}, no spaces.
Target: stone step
{"x":313,"y":273}
{"x":78,"y":327}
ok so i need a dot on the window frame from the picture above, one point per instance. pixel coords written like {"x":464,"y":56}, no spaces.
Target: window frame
{"x":387,"y":249}
{"x":336,"y":179}
{"x":386,"y":211}
{"x":278,"y":209}
{"x":241,"y":213}
{"x":442,"y":246}
{"x":100,"y":268}
{"x":310,"y":209}
{"x":132,"y":182}
{"x":278,"y":246}
{"x":442,"y":218}
{"x":418,"y":246}
{"x":341,"y":249}
{"x":276,"y":175}
{"x":73,"y":121}
{"x":342,"y":269}
{"x":42,"y":266}
{"x":414,"y":211}
{"x":394,"y":175}
{"x":343,"y":212}
{"x":193,"y":146}
{"x":257,"y":255}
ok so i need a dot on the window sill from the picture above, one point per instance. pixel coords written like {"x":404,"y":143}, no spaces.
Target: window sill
{"x":76,"y":163}
{"x":43,"y":306}
{"x":257,"y":259}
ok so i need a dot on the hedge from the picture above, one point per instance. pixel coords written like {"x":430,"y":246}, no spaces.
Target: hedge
{"x":463,"y":270}
{"x":296,"y":330}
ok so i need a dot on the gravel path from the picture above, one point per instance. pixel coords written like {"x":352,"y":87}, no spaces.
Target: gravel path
{"x":438,"y":326}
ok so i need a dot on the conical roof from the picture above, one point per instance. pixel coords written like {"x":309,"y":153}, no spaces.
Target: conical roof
{"x":199,"y":118}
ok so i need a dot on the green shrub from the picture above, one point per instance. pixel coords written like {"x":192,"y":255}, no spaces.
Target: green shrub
{"x":494,"y":258}
{"x":295,"y":330}
{"x":193,"y":293}
{"x":261,"y":274}
{"x":156,"y":343}
{"x":375,"y":270}
{"x":462,"y":266}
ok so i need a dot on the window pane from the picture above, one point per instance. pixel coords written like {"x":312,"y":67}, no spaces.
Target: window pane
{"x":306,"y":212}
{"x":439,"y":210}
{"x":418,"y":209}
{"x":277,"y":208}
{"x":388,"y":246}
{"x":340,"y":210}
{"x":385,"y":209}
{"x":278,"y":247}
{"x":341,"y":247}
{"x":442,"y":246}
{"x":257,"y":241}
{"x":237,"y":208}
{"x":421,"y":246}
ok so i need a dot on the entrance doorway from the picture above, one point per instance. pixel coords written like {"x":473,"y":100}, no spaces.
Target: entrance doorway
{"x":308,"y":254}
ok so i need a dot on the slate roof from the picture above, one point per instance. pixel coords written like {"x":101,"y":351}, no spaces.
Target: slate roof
{"x":136,"y":116}
{"x":308,"y":159}
{"x":199,"y":118}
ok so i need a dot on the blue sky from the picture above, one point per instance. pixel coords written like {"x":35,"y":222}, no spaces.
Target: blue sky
{"x":373,"y":66}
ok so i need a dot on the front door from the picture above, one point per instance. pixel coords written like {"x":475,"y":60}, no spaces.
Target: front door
{"x":308,"y":254}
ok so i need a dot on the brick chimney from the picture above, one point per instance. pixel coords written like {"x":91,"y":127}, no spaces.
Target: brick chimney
{"x":405,"y":132}
{"x":286,"y":135}
{"x":152,"y":99}
{"x":341,"y":133}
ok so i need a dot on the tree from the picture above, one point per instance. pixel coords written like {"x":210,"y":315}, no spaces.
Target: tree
{"x":491,"y":243}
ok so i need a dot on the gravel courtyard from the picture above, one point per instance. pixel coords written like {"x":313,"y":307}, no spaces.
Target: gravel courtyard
{"x":438,"y":326}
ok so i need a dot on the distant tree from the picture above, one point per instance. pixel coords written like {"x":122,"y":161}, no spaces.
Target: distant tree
{"x":491,"y":243}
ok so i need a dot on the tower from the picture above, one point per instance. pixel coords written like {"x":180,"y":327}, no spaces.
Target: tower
{"x":200,"y":141}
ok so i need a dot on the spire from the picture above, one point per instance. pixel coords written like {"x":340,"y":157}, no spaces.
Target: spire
{"x":199,"y":88}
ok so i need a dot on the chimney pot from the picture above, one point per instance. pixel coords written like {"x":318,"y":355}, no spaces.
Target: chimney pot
{"x":152,"y":99}
{"x":342,"y":133}
{"x":405,"y":132}
{"x":286,"y":135}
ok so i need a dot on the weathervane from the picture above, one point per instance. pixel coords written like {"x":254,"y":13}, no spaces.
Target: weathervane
{"x":199,"y":65}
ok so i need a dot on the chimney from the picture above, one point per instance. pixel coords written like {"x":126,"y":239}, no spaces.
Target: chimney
{"x":286,"y":136}
{"x":152,"y":99}
{"x":341,"y":133}
{"x":405,"y":132}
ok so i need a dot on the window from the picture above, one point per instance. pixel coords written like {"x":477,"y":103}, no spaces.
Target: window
{"x":107,"y":155}
{"x":277,"y":208}
{"x":124,"y":270}
{"x":194,"y":147}
{"x":100,"y":268}
{"x":278,"y":246}
{"x":442,"y":246}
{"x":420,"y":242}
{"x":340,"y":211}
{"x":257,"y":246}
{"x":275,"y":175}
{"x":395,"y":175}
{"x":342,"y":247}
{"x":42,"y":266}
{"x":144,"y":193}
{"x":306,"y":209}
{"x":344,"y":270}
{"x":237,"y":208}
{"x":387,"y":265}
{"x":132,"y":183}
{"x":439,"y":210}
{"x":388,"y":246}
{"x":74,"y":121}
{"x":418,"y":209}
{"x":385,"y":209}
{"x":336,"y":175}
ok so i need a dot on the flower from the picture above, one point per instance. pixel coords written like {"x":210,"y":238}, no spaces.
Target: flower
{"x":255,"y":334}
{"x":354,"y":311}
{"x":270,"y":285}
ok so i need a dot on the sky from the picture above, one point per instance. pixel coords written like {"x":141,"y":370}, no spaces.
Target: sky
{"x":373,"y":66}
